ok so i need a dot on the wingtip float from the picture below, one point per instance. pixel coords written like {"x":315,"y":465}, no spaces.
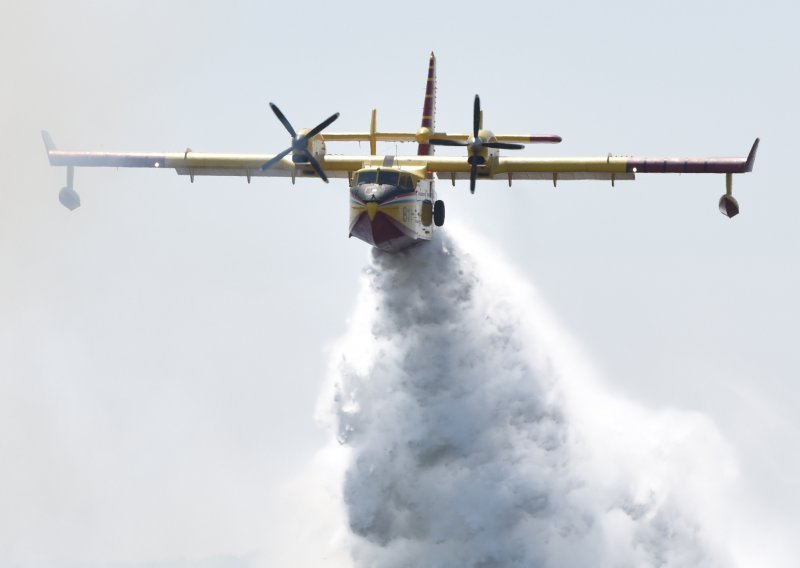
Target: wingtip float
{"x":393,"y":203}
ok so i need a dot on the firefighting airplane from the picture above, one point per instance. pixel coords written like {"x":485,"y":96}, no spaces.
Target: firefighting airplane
{"x":393,"y":204}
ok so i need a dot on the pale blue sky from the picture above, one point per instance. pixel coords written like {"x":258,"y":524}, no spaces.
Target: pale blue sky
{"x":169,"y":337}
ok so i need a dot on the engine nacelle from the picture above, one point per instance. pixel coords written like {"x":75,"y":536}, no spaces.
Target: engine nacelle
{"x":479,"y":153}
{"x":315,"y":146}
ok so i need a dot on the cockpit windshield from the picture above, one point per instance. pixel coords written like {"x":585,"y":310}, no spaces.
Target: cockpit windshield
{"x":370,"y":176}
{"x":384,"y":177}
{"x":388,"y":178}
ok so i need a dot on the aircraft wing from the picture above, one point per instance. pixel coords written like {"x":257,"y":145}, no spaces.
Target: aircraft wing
{"x":577,"y":168}
{"x":336,"y":166}
{"x":198,"y":164}
{"x":610,"y":167}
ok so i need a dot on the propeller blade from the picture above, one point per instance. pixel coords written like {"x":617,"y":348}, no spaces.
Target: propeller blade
{"x":445,"y":142}
{"x":321,"y":126}
{"x":503,"y":145}
{"x":473,"y":175}
{"x":315,"y":164}
{"x":283,"y":119}
{"x":476,"y":116}
{"x":277,"y":158}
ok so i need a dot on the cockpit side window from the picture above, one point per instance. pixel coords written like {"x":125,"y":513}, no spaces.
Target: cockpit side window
{"x":389,"y":178}
{"x":367,"y":177}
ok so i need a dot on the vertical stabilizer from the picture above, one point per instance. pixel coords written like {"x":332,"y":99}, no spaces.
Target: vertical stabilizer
{"x":429,"y":107}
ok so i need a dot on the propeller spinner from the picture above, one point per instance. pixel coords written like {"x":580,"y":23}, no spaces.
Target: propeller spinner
{"x":475,"y":144}
{"x":299,"y":147}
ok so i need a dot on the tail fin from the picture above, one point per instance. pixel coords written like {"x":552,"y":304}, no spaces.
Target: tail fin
{"x":429,"y":107}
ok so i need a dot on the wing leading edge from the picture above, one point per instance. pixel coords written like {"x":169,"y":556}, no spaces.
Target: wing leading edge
{"x":242,"y":164}
{"x":611,"y":168}
{"x":195,"y":163}
{"x":599,"y":165}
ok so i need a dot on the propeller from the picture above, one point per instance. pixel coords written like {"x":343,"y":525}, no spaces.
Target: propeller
{"x":299,"y":147}
{"x":476,"y":144}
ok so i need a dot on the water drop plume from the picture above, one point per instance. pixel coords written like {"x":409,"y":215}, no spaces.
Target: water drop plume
{"x":475,"y":434}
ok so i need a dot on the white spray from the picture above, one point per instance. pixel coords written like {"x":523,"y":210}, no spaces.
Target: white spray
{"x":474,"y":435}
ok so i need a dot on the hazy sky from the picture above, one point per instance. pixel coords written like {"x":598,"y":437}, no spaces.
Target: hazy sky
{"x":162,"y":348}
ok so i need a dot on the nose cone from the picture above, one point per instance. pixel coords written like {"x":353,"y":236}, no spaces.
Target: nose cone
{"x":372,"y":210}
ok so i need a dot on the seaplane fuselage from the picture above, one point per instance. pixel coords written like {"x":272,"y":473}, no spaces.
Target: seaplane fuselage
{"x":392,"y":209}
